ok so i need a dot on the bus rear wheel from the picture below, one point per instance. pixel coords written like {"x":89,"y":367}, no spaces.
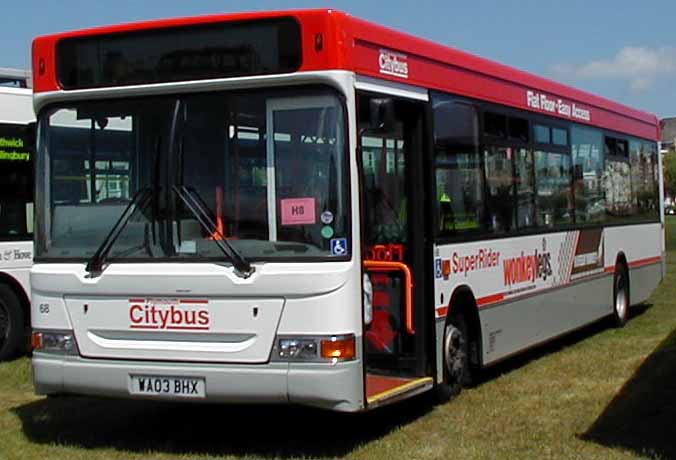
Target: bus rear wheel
{"x":620,"y":296}
{"x":11,"y":323}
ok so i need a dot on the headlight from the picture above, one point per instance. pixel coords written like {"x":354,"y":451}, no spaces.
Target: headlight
{"x":332,"y":348}
{"x":297,"y":349}
{"x":367,"y":288}
{"x":55,"y":342}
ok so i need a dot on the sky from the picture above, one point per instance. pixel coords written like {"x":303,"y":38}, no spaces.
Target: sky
{"x":620,"y":49}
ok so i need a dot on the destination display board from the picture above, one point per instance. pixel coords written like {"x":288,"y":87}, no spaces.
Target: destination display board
{"x":14,"y":145}
{"x":16,"y":183}
{"x":180,"y":54}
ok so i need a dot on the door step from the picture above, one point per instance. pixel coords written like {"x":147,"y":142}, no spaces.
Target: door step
{"x":382,"y":389}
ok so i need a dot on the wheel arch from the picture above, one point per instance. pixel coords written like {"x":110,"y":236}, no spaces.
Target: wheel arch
{"x":463,"y":301}
{"x":21,"y":294}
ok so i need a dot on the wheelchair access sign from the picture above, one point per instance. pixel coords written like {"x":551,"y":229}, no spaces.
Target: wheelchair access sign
{"x":339,"y":246}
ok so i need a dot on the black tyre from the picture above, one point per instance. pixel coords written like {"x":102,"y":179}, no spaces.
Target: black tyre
{"x":11,"y":323}
{"x":457,"y":370}
{"x":620,"y":296}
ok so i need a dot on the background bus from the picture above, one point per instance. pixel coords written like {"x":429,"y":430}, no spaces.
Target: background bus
{"x":16,"y":209}
{"x":337,"y":223}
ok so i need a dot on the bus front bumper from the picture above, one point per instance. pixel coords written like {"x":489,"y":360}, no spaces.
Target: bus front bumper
{"x":329,"y":386}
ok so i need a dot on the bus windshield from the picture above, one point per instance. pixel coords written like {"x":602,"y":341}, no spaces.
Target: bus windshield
{"x":268,"y":167}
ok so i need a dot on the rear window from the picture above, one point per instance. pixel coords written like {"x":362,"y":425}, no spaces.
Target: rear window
{"x":178,"y":54}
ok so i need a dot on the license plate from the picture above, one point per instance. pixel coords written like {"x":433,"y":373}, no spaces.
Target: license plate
{"x":177,"y":387}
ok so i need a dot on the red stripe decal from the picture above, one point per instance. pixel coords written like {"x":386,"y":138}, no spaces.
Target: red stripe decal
{"x":137,"y":300}
{"x":482,"y":301}
{"x":143,"y":326}
{"x":194,"y":301}
{"x":188,"y":328}
{"x":642,"y":262}
{"x":637,"y":263}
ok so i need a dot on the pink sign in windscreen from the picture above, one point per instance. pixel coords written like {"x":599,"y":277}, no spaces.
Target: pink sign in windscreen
{"x":298,"y":211}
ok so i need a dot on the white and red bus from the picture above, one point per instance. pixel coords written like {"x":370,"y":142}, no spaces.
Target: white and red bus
{"x":16,"y":209}
{"x":303,"y":207}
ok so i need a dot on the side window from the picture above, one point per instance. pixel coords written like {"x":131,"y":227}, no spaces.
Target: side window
{"x":501,"y":126}
{"x":553,"y":176}
{"x":499,"y":188}
{"x":617,"y":180}
{"x":543,"y":134}
{"x":617,"y":190}
{"x":587,"y":148}
{"x":518,"y":129}
{"x":459,"y":179}
{"x":644,"y":178}
{"x":508,"y":169}
{"x":495,"y":124}
{"x":652,"y":148}
{"x":554,"y":201}
{"x":559,"y":136}
{"x":524,"y":177}
{"x":636,"y":166}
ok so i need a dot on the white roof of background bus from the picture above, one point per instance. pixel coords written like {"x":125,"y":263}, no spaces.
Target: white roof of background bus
{"x":16,"y":105}
{"x":21,"y":76}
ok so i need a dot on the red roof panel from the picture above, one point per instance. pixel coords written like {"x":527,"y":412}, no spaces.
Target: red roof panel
{"x":372,"y":50}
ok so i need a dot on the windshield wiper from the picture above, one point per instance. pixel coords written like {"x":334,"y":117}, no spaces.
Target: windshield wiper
{"x":139,"y":201}
{"x":195,"y":204}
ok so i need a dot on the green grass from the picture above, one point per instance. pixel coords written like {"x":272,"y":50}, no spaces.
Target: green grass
{"x":599,"y":393}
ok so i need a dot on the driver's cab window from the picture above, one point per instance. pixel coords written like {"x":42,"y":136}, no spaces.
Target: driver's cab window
{"x":270,"y":168}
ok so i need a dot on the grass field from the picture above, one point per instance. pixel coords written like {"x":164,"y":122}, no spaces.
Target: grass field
{"x":600,"y":393}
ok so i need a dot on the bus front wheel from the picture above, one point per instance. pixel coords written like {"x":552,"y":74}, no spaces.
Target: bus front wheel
{"x":620,"y":295}
{"x":455,"y":358}
{"x":11,"y":322}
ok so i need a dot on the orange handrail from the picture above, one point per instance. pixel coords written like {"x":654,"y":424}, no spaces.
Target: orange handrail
{"x":388,"y":266}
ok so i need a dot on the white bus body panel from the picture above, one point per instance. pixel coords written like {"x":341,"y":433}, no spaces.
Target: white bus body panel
{"x":315,"y":300}
{"x":234,"y":354}
{"x":16,"y":257}
{"x":530,"y":289}
{"x":107,"y":324}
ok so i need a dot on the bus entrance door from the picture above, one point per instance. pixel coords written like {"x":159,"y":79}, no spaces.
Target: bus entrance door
{"x":395,"y":327}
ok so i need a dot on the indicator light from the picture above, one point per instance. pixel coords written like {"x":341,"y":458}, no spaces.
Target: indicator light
{"x":339,"y":348}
